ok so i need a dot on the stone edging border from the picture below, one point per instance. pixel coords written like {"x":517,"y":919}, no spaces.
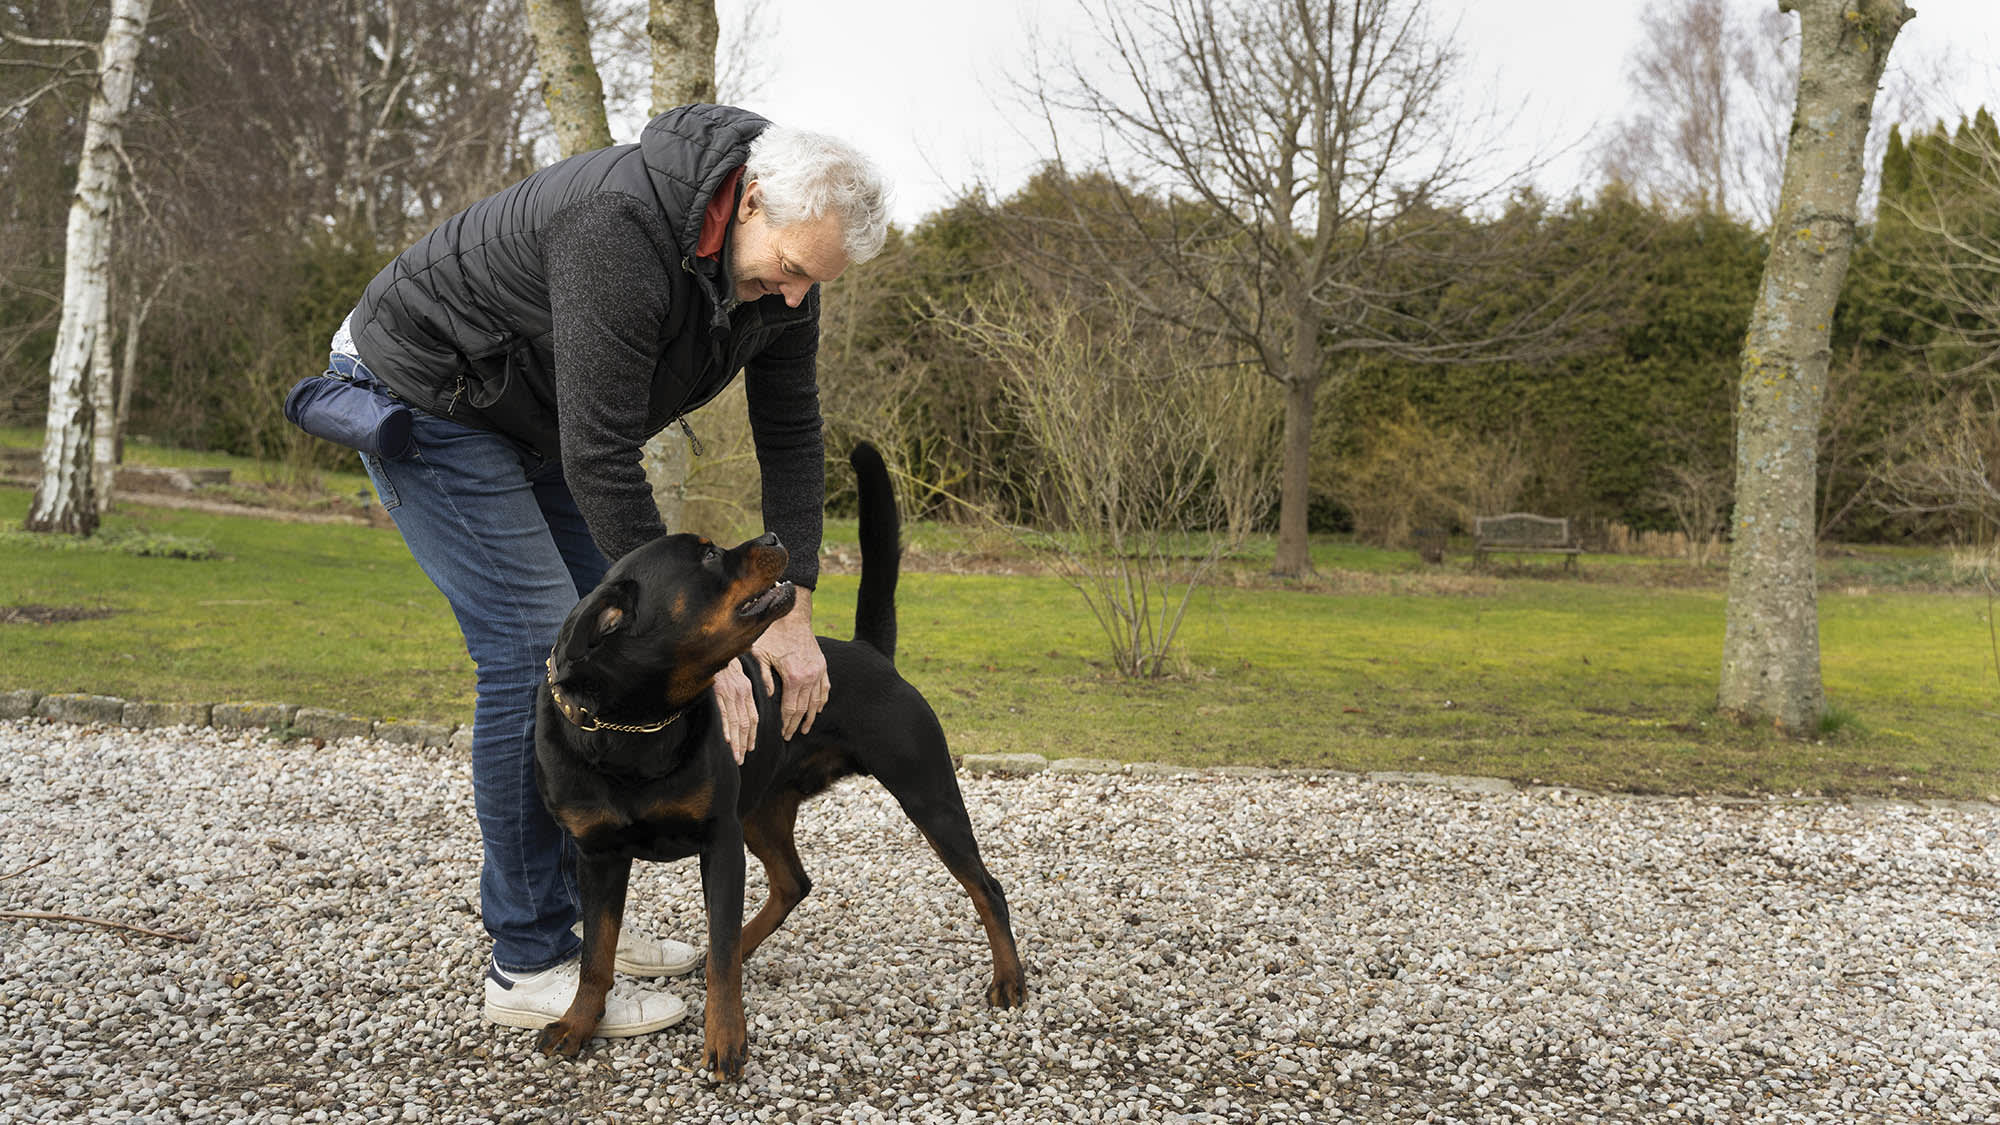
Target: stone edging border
{"x":307,"y":722}
{"x":312,"y":722}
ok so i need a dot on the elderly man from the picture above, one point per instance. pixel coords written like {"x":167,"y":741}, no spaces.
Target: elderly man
{"x":540,"y":336}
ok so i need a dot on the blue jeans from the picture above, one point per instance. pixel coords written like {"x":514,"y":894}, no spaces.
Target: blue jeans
{"x":496,"y":529}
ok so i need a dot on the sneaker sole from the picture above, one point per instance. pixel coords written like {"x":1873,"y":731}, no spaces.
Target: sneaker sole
{"x":658,"y":969}
{"x":654,"y":968}
{"x":533,"y":1020}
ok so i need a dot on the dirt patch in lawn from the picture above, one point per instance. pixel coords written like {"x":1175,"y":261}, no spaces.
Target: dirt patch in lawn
{"x":50,"y":614}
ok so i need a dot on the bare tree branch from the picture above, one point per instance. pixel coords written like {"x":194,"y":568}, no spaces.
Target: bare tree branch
{"x":1954,"y":262}
{"x":76,"y":45}
{"x":38,"y":915}
{"x":1291,"y":179}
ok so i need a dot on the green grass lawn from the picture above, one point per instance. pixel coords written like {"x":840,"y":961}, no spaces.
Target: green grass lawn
{"x":1604,"y":681}
{"x":252,"y":481}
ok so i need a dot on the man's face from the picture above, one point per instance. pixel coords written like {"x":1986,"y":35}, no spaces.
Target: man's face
{"x":764,"y":259}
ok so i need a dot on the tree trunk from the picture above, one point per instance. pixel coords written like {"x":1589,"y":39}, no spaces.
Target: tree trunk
{"x":683,"y":34}
{"x":1301,"y":381}
{"x":63,"y":500}
{"x":1770,"y":662}
{"x":128,"y":367}
{"x":668,"y":460}
{"x":1294,"y":555}
{"x":570,"y":85}
{"x":103,"y":410}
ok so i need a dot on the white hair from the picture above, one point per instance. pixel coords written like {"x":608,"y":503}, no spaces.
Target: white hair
{"x":806,"y":175}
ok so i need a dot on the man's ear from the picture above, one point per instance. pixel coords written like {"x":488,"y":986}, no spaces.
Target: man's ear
{"x":752,"y":201}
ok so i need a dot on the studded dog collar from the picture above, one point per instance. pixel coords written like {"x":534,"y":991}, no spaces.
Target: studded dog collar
{"x":585,"y":721}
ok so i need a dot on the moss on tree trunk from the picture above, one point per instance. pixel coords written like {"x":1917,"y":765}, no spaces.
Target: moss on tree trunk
{"x":1770,"y":664}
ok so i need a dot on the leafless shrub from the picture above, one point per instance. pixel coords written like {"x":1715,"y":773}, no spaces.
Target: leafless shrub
{"x":1949,"y":461}
{"x":883,"y":387}
{"x":1699,"y":494}
{"x":1978,"y":563}
{"x":1954,"y":264}
{"x":1620,"y":539}
{"x":1151,"y":462}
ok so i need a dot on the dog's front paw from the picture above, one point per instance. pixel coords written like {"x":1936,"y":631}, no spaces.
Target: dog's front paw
{"x":724,"y":1057}
{"x":1007,"y":992}
{"x":563,"y":1038}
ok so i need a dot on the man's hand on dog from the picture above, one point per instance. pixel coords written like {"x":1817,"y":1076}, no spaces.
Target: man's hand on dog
{"x":788,"y":648}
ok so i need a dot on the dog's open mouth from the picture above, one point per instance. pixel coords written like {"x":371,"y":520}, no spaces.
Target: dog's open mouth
{"x":773,"y":602}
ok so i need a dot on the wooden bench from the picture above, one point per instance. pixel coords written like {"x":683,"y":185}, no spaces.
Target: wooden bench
{"x":1523,"y":533}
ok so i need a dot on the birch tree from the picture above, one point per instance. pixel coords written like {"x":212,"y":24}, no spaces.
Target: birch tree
{"x":1770,"y":662}
{"x":1713,"y":84}
{"x":65,"y":498}
{"x":103,"y":403}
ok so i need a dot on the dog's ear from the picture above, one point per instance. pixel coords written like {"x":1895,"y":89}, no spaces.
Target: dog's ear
{"x":603,"y":614}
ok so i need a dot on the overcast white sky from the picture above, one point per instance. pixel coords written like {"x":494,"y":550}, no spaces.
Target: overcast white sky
{"x":926,"y":87}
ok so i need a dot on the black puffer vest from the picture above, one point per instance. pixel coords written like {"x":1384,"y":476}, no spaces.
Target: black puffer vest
{"x":460,"y":323}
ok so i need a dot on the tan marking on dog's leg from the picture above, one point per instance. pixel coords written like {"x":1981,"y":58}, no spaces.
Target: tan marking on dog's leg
{"x":769,"y":835}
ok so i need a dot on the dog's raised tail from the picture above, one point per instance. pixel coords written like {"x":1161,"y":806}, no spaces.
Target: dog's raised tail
{"x":881,"y":552}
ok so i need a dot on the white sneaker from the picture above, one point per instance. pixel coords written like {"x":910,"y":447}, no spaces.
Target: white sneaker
{"x":540,"y":999}
{"x":641,"y":956}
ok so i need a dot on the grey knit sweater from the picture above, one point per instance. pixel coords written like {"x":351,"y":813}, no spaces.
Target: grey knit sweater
{"x":571,"y":313}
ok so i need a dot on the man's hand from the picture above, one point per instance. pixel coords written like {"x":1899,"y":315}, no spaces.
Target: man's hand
{"x":789,"y":648}
{"x":739,"y":709}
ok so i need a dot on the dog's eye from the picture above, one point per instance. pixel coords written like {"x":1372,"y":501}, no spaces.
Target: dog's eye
{"x":710,"y":555}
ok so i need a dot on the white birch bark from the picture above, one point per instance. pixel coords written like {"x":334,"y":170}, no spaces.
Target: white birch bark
{"x":103,"y":409}
{"x":1770,"y":662}
{"x":63,"y":500}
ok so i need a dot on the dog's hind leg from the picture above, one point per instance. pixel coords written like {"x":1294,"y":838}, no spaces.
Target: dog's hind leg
{"x":934,"y":805}
{"x":601,"y":885}
{"x":769,"y":835}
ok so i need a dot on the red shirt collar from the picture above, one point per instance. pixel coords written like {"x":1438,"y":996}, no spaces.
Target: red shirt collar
{"x":715,"y":218}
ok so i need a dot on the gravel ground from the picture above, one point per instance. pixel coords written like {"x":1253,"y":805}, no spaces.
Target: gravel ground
{"x":1269,"y":950}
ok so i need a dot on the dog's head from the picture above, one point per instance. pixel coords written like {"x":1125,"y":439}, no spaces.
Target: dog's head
{"x":666,"y":619}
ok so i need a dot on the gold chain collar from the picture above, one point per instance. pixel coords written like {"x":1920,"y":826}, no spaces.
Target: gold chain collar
{"x":585,"y":721}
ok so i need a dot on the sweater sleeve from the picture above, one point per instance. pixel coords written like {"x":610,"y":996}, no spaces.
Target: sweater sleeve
{"x":782,"y":388}
{"x":610,"y":293}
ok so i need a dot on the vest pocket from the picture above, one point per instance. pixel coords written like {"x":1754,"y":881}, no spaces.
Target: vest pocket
{"x":505,"y":394}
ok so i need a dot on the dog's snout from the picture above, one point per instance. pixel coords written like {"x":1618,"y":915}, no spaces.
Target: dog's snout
{"x":765,"y":556}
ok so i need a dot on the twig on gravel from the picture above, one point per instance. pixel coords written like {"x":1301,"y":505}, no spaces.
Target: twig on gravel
{"x":1527,"y":951}
{"x":30,"y":867}
{"x":37,"y":915}
{"x":1245,"y":1056}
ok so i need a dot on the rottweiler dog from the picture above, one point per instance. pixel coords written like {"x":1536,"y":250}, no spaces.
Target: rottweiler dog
{"x":631,"y":759}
